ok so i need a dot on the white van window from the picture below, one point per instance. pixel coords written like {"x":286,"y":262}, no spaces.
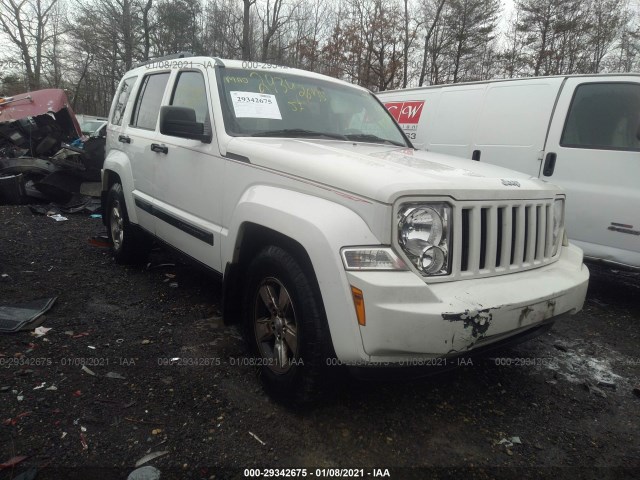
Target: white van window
{"x":604,"y":116}
{"x":145,"y":113}
{"x":122,"y":98}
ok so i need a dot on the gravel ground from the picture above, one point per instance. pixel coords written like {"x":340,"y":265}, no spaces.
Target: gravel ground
{"x":567,"y":396}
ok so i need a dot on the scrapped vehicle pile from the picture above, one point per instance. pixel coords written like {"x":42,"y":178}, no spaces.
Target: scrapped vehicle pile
{"x":44,"y":158}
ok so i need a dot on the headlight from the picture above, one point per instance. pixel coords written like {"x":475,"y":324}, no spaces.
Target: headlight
{"x":371,"y":258}
{"x":558,"y":224}
{"x":424,"y":235}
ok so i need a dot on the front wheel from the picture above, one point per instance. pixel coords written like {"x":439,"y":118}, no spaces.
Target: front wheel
{"x":128,"y":245}
{"x":285,"y":325}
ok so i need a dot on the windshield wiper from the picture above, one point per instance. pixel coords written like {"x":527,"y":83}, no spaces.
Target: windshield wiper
{"x":367,"y":137}
{"x":298,"y":132}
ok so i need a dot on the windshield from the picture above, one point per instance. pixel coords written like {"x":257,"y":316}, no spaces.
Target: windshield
{"x":258,"y":103}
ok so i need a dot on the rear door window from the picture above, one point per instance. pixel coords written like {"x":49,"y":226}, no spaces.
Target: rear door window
{"x":147,"y":108}
{"x":604,"y":116}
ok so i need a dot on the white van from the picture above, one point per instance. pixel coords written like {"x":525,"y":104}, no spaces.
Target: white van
{"x":581,"y":132}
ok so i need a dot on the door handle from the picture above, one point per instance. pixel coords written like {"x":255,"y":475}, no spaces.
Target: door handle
{"x":475,"y":155}
{"x":159,"y":148}
{"x":549,"y":164}
{"x":124,"y":139}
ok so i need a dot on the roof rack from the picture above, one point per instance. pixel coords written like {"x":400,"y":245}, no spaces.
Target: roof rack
{"x":166,"y":57}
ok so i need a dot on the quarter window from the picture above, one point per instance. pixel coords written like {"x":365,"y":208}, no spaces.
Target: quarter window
{"x":121,"y":102}
{"x":145,"y":114}
{"x":604,"y":116}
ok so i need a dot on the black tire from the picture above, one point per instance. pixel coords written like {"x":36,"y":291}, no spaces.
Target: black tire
{"x":290,"y":339}
{"x":128,"y":245}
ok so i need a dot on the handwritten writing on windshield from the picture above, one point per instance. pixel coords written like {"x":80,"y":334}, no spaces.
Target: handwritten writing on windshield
{"x":297,"y":96}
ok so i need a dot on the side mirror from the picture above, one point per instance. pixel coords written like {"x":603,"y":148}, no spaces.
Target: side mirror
{"x":181,"y":122}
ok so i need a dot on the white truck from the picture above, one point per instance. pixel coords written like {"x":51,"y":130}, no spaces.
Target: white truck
{"x":336,"y":241}
{"x":581,"y":132}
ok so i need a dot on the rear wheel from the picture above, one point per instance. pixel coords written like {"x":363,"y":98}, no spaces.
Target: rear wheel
{"x":285,"y":325}
{"x":129,"y":246}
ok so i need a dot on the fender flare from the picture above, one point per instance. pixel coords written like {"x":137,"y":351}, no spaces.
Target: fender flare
{"x":117,"y":162}
{"x":322,"y":228}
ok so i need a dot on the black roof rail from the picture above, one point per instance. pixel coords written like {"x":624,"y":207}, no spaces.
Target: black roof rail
{"x":166,"y":57}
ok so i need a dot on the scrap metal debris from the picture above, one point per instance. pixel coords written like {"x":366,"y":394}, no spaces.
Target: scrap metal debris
{"x":20,"y":315}
{"x":37,"y":161}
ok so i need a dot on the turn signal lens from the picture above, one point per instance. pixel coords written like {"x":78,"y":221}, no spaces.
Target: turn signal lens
{"x":358,"y":302}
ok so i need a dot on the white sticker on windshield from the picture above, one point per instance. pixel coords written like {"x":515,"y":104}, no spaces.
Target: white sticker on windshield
{"x":255,"y":105}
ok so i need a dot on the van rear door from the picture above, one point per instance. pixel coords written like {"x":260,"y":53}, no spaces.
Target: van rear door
{"x":513,"y":123}
{"x":593,"y":152}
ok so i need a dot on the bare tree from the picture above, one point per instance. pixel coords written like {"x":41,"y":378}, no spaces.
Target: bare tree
{"x":410,"y":33}
{"x":246,"y":33}
{"x":472,"y":24}
{"x":222,"y":32}
{"x":146,"y":28}
{"x":512,"y":57}
{"x":27,"y":24}
{"x":274,"y":17}
{"x":433,"y":24}
{"x":606,"y":19}
{"x":177,"y":27}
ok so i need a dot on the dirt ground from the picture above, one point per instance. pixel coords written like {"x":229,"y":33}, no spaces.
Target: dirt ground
{"x":567,"y":396}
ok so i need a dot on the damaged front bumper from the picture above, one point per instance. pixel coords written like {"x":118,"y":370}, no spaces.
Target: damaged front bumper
{"x":408,"y":319}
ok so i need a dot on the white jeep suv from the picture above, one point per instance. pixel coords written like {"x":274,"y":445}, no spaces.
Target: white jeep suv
{"x":336,"y":240}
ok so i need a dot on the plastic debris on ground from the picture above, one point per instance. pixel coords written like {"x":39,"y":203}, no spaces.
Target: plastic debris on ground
{"x":256,"y":437}
{"x":58,"y":218}
{"x":510,"y":442}
{"x":83,"y":441}
{"x":145,"y":473}
{"x":86,"y":369}
{"x":115,"y":375}
{"x":40,"y":331}
{"x":12,"y":462}
{"x":101,"y":241}
{"x":20,"y":315}
{"x":151,"y":456}
{"x":160,"y":265}
{"x":594,"y":390}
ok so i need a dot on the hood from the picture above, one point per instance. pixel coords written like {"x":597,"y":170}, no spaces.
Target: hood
{"x":385,"y":173}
